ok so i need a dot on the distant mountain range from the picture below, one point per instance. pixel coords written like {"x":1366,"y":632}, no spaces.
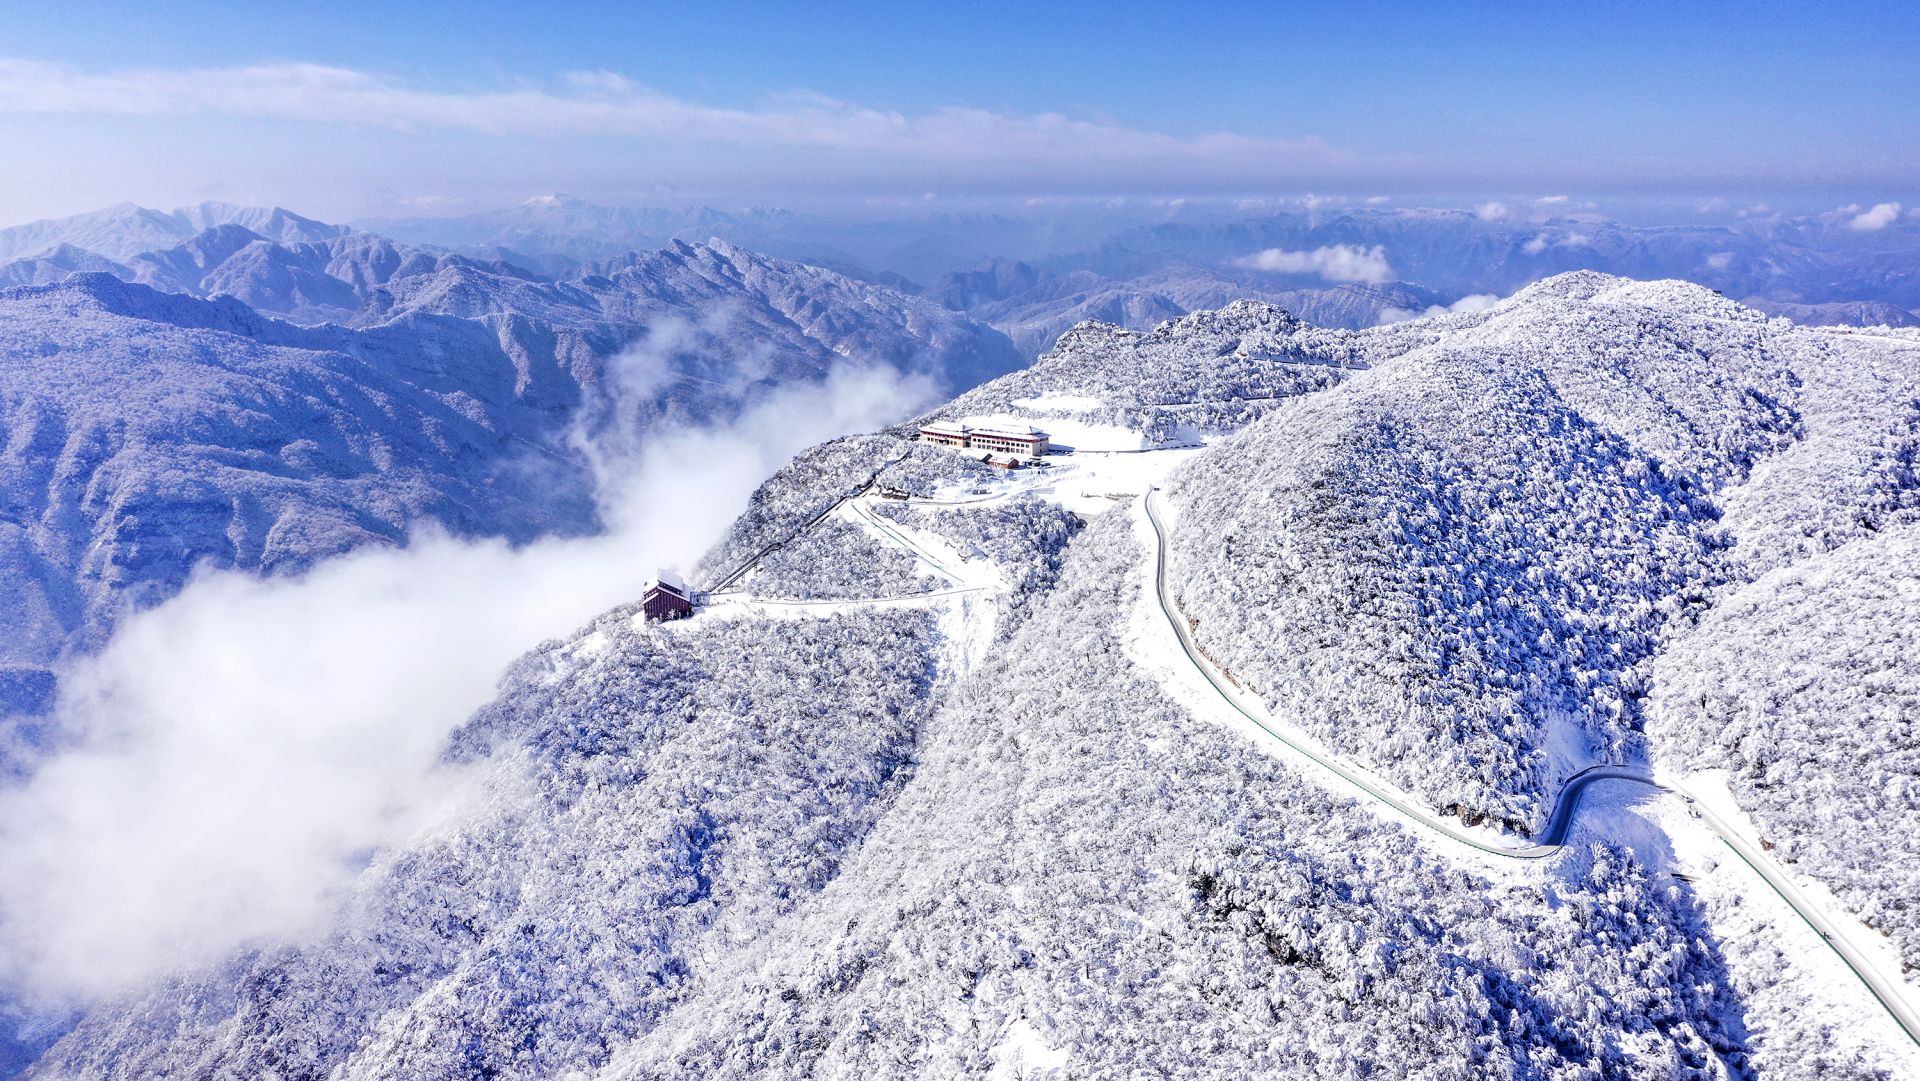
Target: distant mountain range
{"x":1032,"y":278}
{"x":1035,"y":306}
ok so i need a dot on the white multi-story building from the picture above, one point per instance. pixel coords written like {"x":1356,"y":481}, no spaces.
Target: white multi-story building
{"x":1021,"y":441}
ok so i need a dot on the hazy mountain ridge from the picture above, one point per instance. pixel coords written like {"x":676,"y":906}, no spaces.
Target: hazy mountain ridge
{"x":124,"y":231}
{"x":1810,"y":269}
{"x":1853,"y":313}
{"x":1817,"y":263}
{"x":327,"y":281}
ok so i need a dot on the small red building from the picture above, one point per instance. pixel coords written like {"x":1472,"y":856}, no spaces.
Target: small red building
{"x":667,"y":598}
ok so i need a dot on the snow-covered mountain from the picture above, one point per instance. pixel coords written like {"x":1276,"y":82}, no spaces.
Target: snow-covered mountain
{"x":124,"y":231}
{"x":1035,"y":306}
{"x":148,"y":433}
{"x":931,"y":787}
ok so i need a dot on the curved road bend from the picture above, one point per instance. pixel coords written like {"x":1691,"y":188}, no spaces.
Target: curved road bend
{"x":1888,"y":991}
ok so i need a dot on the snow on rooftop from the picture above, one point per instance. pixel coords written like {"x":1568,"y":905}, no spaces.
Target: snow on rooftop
{"x":945,"y":427}
{"x":671,"y":581}
{"x":1002,"y":424}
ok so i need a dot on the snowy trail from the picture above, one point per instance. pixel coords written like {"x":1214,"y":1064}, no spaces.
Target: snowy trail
{"x":1888,"y":989}
{"x":888,"y":531}
{"x":902,"y":600}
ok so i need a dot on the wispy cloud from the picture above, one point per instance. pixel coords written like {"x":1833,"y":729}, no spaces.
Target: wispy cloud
{"x":1337,"y":262}
{"x":608,"y":104}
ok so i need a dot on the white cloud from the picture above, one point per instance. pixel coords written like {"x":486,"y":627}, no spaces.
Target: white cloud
{"x":1720,"y":260}
{"x":1492,"y":211}
{"x":1540,"y":242}
{"x":607,"y":104}
{"x":1338,"y":262}
{"x":1474,"y":302}
{"x":1877,"y":218}
{"x":1376,"y":200}
{"x":1550,"y":200}
{"x":239,"y":748}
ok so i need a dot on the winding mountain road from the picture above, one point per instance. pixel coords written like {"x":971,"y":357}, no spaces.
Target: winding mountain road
{"x":1889,"y":990}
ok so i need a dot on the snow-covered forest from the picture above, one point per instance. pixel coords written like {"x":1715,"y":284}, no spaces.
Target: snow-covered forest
{"x":656,"y":798}
{"x":1804,"y":686}
{"x":1026,"y":537}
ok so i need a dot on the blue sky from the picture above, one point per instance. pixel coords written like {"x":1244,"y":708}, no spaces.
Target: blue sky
{"x":352,"y":108}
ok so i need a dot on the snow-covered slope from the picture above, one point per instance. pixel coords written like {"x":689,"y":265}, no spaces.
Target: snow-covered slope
{"x":660,"y":797}
{"x":1804,"y":685}
{"x":149,"y":433}
{"x":991,"y":828}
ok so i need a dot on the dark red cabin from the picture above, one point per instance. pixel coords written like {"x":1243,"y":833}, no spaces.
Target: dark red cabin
{"x":667,"y":598}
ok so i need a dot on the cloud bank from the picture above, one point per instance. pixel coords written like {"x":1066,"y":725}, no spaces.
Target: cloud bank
{"x":1337,"y":262}
{"x":601,"y":103}
{"x":239,"y":750}
{"x":1878,"y":217}
{"x":1475,"y":302}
